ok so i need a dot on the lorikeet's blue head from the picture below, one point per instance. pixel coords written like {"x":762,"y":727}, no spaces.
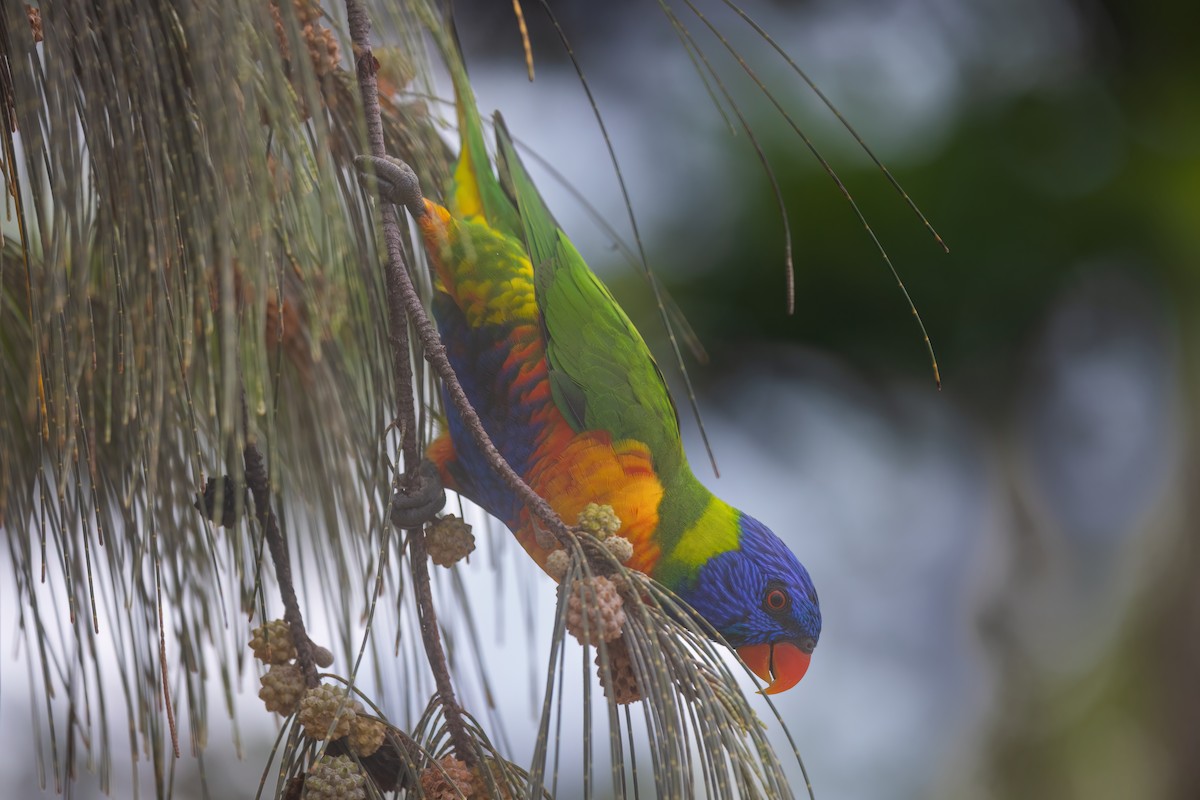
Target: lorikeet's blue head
{"x":761,"y":599}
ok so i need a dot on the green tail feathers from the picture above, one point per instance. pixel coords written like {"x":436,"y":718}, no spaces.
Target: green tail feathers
{"x":474,"y":191}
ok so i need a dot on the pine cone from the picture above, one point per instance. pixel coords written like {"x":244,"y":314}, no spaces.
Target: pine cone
{"x":621,"y":583}
{"x":307,"y":11}
{"x":366,"y":735}
{"x":272,"y":642}
{"x":499,"y":789}
{"x":282,"y":688}
{"x":321,"y":706}
{"x":319,"y":40}
{"x":620,"y":547}
{"x":35,"y":21}
{"x":600,"y":521}
{"x":322,"y":47}
{"x":557,"y":564}
{"x":448,"y":540}
{"x":334,"y":778}
{"x":620,"y":682}
{"x":596,"y":600}
{"x":453,"y":781}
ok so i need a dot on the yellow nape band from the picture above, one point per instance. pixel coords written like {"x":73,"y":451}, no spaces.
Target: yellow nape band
{"x":715,"y":532}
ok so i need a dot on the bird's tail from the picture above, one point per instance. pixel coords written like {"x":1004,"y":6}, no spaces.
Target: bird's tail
{"x":475,"y":192}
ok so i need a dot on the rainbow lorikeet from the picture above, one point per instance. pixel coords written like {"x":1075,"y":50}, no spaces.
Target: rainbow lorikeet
{"x":571,"y":396}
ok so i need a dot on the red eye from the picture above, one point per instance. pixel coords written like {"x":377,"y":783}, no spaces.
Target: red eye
{"x":776,"y":600}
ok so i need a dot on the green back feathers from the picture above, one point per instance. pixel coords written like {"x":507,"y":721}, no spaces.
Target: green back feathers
{"x":602,"y":374}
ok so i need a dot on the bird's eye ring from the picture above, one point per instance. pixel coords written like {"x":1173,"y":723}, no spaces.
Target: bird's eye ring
{"x":776,"y":600}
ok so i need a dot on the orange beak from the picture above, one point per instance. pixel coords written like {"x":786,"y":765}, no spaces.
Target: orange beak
{"x":781,"y":665}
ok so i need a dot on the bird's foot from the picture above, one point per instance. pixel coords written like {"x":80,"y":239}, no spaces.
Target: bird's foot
{"x":393,"y":180}
{"x":421,"y":500}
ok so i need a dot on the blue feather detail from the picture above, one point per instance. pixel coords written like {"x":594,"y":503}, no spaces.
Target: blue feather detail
{"x":499,"y":396}
{"x":728,"y":591}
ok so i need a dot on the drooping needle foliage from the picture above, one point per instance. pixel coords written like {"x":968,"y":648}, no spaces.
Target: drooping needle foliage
{"x":198,"y":381}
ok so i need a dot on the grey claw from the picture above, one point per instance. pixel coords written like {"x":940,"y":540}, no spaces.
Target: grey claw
{"x":392,"y":180}
{"x":420,"y":504}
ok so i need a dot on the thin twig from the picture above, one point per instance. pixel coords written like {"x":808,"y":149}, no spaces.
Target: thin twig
{"x":520,"y":15}
{"x":256,"y":480}
{"x":403,"y":297}
{"x":404,"y":306}
{"x":432,"y":637}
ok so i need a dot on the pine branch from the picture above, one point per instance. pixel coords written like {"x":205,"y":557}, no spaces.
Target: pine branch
{"x":256,"y":480}
{"x":404,"y":304}
{"x":403,"y":297}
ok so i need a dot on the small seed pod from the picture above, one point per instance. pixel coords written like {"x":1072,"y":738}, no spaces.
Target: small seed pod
{"x":620,"y":681}
{"x":325,"y":707}
{"x":35,"y":21}
{"x":624,"y":588}
{"x":600,"y":521}
{"x":366,"y":735}
{"x":449,"y":540}
{"x":490,"y":778}
{"x":557,"y":564}
{"x":620,"y":547}
{"x":334,"y":778}
{"x":449,"y":779}
{"x":321,"y":655}
{"x":272,"y":642}
{"x":282,"y":687}
{"x":595,"y":611}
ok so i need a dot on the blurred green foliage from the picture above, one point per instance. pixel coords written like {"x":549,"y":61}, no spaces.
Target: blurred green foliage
{"x":1098,"y":166}
{"x":1093,"y":169}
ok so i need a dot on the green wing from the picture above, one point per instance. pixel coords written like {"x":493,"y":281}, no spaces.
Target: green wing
{"x":601,"y":373}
